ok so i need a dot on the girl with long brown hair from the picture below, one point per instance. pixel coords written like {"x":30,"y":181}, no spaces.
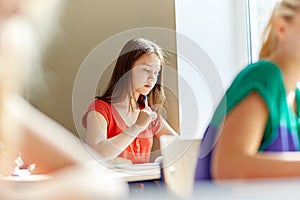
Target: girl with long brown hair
{"x":123,"y":121}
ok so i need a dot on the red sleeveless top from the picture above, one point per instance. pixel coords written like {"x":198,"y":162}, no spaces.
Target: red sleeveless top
{"x":139,"y":150}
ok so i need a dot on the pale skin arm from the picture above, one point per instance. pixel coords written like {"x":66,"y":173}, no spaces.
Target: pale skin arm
{"x":96,"y":135}
{"x":40,"y":141}
{"x":165,"y":129}
{"x":236,"y":152}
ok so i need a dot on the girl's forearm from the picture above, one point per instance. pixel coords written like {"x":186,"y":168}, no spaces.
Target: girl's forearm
{"x":111,"y":148}
{"x":263,"y":165}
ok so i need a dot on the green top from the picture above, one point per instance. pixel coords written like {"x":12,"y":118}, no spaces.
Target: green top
{"x":265,"y":78}
{"x":282,"y":129}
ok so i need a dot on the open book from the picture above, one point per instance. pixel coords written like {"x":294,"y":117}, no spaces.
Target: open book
{"x":137,"y":172}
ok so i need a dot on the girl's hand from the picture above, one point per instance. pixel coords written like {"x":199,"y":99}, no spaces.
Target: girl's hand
{"x":145,"y":117}
{"x":22,"y":169}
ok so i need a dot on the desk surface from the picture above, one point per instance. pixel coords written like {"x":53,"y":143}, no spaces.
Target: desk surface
{"x":127,"y":172}
{"x":29,"y":178}
{"x":276,"y":189}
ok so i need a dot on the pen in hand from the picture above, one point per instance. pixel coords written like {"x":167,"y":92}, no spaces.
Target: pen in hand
{"x":146,"y":101}
{"x":153,"y":114}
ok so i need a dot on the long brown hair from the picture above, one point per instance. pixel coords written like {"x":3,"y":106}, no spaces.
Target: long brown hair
{"x":285,"y":9}
{"x":119,"y":86}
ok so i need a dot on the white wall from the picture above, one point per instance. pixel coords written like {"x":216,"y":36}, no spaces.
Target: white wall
{"x":212,"y":48}
{"x":260,"y":14}
{"x":84,"y":25}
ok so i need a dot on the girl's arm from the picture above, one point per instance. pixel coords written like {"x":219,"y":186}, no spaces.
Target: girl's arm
{"x":165,"y":129}
{"x":236,"y":152}
{"x":40,"y":140}
{"x":96,"y":135}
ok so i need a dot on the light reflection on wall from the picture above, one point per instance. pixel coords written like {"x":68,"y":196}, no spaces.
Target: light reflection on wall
{"x":260,"y":12}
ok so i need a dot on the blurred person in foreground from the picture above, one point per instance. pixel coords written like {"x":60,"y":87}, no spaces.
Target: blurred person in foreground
{"x":257,"y":135}
{"x":29,"y":139}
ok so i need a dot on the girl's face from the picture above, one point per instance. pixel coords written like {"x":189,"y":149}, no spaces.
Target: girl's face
{"x":9,"y":8}
{"x":145,"y":72}
{"x":292,"y":40}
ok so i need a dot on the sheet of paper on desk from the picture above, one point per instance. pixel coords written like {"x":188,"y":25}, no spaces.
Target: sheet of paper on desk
{"x":139,"y":168}
{"x":29,"y":178}
{"x":138,"y":172}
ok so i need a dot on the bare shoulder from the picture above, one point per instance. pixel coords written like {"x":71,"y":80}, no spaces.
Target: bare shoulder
{"x":248,"y":117}
{"x":95,"y":116}
{"x":241,"y":134}
{"x":251,"y":105}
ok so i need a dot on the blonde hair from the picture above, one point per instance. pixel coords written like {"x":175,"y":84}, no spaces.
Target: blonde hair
{"x":285,"y":9}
